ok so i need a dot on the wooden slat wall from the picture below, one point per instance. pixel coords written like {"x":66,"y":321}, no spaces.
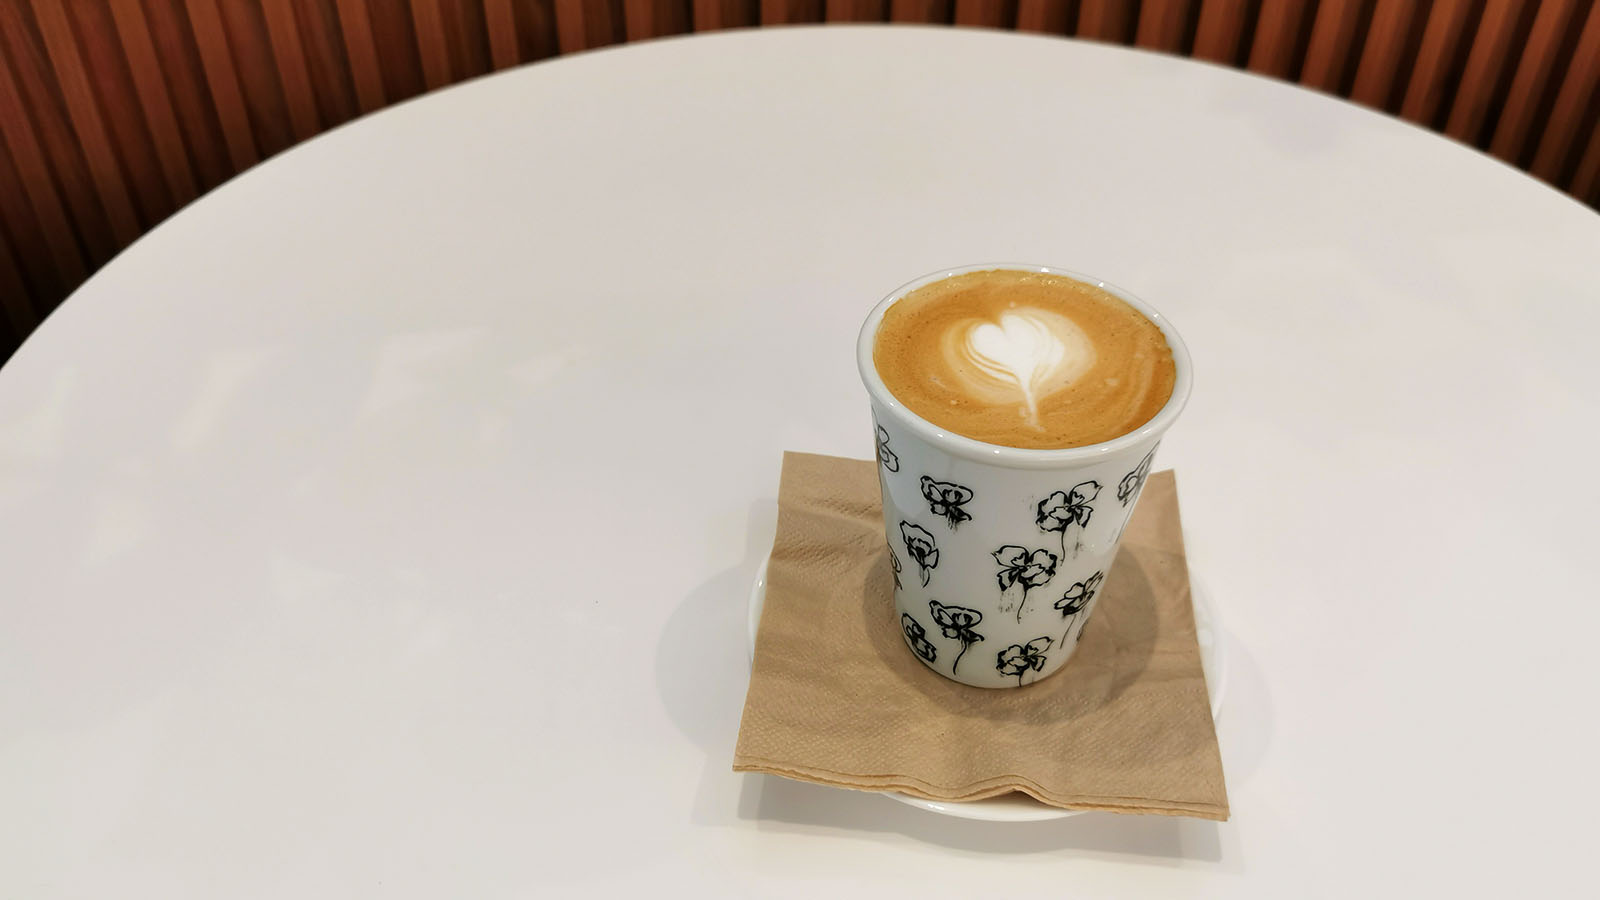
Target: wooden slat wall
{"x":114,"y":113}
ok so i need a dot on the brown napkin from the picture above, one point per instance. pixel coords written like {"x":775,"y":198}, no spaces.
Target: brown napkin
{"x":836,"y":698}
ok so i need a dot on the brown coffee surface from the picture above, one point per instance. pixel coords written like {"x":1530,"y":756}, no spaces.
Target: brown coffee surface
{"x":1024,"y":359}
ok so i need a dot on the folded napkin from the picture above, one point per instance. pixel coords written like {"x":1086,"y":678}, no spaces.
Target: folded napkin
{"x":836,"y":698}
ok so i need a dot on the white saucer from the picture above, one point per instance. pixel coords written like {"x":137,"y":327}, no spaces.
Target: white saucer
{"x":1017,"y":807}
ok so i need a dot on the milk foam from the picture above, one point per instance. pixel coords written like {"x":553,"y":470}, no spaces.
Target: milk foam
{"x":1029,"y":353}
{"x":1023,"y":359}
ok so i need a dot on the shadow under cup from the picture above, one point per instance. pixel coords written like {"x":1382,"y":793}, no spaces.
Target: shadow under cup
{"x":999,"y":552}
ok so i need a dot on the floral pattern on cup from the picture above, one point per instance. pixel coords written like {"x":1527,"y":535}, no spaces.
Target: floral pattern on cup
{"x":955,"y":623}
{"x":1076,"y":600}
{"x":1018,"y":565}
{"x":886,"y":456}
{"x":1132,"y":483}
{"x":946,"y":499}
{"x":894,"y":565}
{"x":917,"y":638}
{"x":924,"y":552}
{"x":1017,"y":659}
{"x":1063,"y":509}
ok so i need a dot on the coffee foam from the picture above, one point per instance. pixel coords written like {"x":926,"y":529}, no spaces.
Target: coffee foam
{"x":1024,"y":359}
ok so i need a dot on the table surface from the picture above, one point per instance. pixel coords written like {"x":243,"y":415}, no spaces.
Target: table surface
{"x":382,"y":525}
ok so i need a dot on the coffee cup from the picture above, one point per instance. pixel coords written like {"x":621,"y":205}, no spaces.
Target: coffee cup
{"x":1000,"y":552}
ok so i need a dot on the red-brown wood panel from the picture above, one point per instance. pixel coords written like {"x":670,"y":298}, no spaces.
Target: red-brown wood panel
{"x":114,"y":112}
{"x":44,"y":123}
{"x":155,"y":102}
{"x":1281,"y":29}
{"x":986,"y":13}
{"x":1494,"y":53}
{"x":1222,"y":28}
{"x":1439,"y":58}
{"x":710,"y":15}
{"x":223,"y":80}
{"x":115,"y":101}
{"x":361,"y":49}
{"x":922,"y":11}
{"x":1334,"y":33}
{"x":1107,"y":20}
{"x":1573,"y":111}
{"x":855,"y":10}
{"x":1379,"y":81}
{"x":1530,"y":86}
{"x":1166,"y":24}
{"x":500,"y":17}
{"x":289,"y":56}
{"x":432,"y":44}
{"x":654,"y":18}
{"x":786,"y":12}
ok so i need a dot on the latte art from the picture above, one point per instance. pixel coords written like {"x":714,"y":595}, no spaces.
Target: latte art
{"x":1029,"y":353}
{"x":1024,"y":359}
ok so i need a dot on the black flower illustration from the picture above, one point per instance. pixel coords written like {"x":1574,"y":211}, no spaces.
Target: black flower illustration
{"x":885,"y":455}
{"x":894,"y":563}
{"x":1063,"y":509}
{"x":917,"y":638}
{"x":1019,"y":566}
{"x":945,"y":499}
{"x":1017,"y":659}
{"x":1076,"y":600}
{"x":919,"y":543}
{"x":956,"y":623}
{"x":1128,"y":488}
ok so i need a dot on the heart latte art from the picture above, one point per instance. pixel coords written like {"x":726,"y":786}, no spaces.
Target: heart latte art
{"x":1024,"y":359}
{"x":1026,"y":354}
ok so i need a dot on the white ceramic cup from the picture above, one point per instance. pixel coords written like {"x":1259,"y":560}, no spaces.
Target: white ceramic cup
{"x":999,"y":552}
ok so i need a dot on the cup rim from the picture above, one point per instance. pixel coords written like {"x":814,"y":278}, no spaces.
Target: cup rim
{"x":1018,"y":457}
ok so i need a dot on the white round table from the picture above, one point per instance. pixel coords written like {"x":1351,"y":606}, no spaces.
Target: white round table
{"x":382,"y":524}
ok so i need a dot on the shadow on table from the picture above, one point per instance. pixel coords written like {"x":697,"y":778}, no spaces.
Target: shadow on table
{"x":779,"y":804}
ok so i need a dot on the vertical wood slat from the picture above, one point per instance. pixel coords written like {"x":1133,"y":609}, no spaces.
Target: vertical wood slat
{"x":710,"y":15}
{"x":283,"y":33}
{"x":500,"y":18}
{"x":154,"y":100}
{"x":643,"y":19}
{"x":1578,"y":94}
{"x":38,"y":237}
{"x":1492,"y":51}
{"x":223,"y":81}
{"x":1047,"y":16}
{"x":1532,"y":79}
{"x":431,"y":44}
{"x":47,"y":156}
{"x":1275,"y":47}
{"x":1220,"y":31}
{"x":322,"y":45}
{"x":19,"y":313}
{"x":853,"y":11}
{"x":1107,"y":20}
{"x":83,"y":108}
{"x":362,"y":50}
{"x":178,"y":60}
{"x":1585,"y":183}
{"x":117,"y":103}
{"x":931,"y":12}
{"x":1432,"y":75}
{"x":783,"y":12}
{"x":985,"y":13}
{"x":582,"y":24}
{"x":1333,"y":35}
{"x":1378,"y":72}
{"x":1163,"y":24}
